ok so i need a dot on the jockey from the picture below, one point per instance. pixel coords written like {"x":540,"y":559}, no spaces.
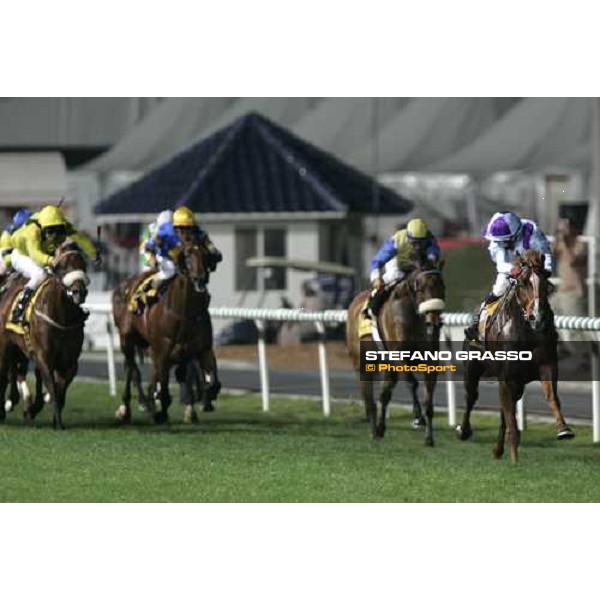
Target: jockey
{"x":509,"y":236}
{"x":164,"y":244}
{"x":6,"y":244}
{"x":34,"y":246}
{"x":189,"y":231}
{"x":394,"y":260}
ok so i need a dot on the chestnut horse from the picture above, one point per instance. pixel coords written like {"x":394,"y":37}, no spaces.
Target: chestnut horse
{"x":53,"y":338}
{"x":411,"y":314}
{"x":175,"y":329}
{"x":523,"y":321}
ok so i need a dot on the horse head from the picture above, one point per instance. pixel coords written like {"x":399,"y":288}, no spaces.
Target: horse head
{"x":427,"y":292}
{"x":71,"y":269}
{"x":532,"y":288}
{"x":193,"y":265}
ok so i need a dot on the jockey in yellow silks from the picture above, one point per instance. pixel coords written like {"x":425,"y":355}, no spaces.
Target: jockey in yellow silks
{"x":6,"y":243}
{"x":393,"y":260}
{"x":34,"y":245}
{"x":188,"y":230}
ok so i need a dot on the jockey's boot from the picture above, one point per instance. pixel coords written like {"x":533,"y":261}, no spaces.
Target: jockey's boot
{"x":141,"y":299}
{"x":375,"y":302}
{"x":19,"y":310}
{"x":472,"y":331}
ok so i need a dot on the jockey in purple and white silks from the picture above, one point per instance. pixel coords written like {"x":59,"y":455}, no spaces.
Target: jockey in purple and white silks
{"x":509,"y":236}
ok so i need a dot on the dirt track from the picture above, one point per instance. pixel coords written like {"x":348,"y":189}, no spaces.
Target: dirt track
{"x":292,"y":356}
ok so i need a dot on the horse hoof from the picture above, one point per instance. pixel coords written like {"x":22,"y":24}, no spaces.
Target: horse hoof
{"x":47,"y":398}
{"x":208,"y":408}
{"x":429,"y":442}
{"x":565,"y":434}
{"x":122,"y":414}
{"x":463,"y":434}
{"x":498,"y":453}
{"x":8,"y":406}
{"x":160,"y":418}
{"x":190,"y":415}
{"x":418,"y":423}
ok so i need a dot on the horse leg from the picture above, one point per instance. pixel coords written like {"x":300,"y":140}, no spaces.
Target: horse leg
{"x":123,"y":413}
{"x":413,"y":383}
{"x":47,"y":375}
{"x":549,"y":377}
{"x":430,"y":383}
{"x":366,"y":390}
{"x":508,"y":421}
{"x":208,"y":366}
{"x":62,"y":381}
{"x":472,"y":376}
{"x":4,"y":371}
{"x":159,"y":400}
{"x":389,"y":383}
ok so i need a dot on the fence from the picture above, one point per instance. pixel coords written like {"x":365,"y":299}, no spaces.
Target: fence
{"x":261,"y":315}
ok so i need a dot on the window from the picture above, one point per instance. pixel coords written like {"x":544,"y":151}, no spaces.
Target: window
{"x":255,"y":241}
{"x":274,"y":244}
{"x":245,"y":248}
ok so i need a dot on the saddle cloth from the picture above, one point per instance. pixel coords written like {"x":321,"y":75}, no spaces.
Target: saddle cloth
{"x":136,"y":291}
{"x":488,"y":312}
{"x":368,"y":326}
{"x":18,"y":327}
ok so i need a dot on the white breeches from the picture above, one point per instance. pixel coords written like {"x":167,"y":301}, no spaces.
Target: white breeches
{"x":28,"y":268}
{"x":500,"y":285}
{"x":166,"y":269}
{"x":391,"y":272}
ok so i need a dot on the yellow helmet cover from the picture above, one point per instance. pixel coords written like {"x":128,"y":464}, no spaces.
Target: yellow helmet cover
{"x":183,"y":217}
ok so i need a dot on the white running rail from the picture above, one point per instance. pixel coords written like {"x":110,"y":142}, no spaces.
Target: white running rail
{"x":262,"y":315}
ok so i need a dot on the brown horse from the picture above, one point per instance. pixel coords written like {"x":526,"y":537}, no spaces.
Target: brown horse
{"x":53,"y":338}
{"x":523,"y":321}
{"x":411,"y":314}
{"x":175,"y":329}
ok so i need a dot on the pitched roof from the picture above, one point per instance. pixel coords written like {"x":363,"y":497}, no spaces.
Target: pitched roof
{"x":254,"y":165}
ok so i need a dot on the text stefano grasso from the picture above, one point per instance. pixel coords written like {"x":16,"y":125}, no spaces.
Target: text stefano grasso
{"x":446,"y":355}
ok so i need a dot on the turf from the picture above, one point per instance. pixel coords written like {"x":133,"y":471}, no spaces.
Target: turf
{"x":293,"y":454}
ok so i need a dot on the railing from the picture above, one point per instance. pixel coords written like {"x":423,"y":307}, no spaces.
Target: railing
{"x":261,"y":315}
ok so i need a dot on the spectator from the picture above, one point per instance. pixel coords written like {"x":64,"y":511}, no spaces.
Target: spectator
{"x":569,"y":298}
{"x":571,"y":259}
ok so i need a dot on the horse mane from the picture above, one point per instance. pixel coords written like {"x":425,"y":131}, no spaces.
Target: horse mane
{"x":530,"y":258}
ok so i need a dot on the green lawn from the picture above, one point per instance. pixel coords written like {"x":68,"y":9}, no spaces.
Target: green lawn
{"x":294,"y":454}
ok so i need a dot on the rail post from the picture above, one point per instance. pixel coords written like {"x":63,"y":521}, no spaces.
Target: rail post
{"x":595,"y":392}
{"x":262,"y":363}
{"x":110,"y":355}
{"x":324,"y":369}
{"x":451,"y":397}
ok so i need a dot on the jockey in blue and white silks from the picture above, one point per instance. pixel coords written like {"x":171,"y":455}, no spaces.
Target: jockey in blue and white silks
{"x":509,"y":236}
{"x":165,"y":246}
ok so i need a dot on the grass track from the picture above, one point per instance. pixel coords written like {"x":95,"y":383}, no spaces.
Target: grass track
{"x":293,"y":454}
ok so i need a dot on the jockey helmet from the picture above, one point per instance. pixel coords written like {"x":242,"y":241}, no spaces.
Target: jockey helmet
{"x":503,"y":227}
{"x":166,"y":216}
{"x":20,"y":217}
{"x":183,"y":217}
{"x":417,"y":230}
{"x":51,"y":216}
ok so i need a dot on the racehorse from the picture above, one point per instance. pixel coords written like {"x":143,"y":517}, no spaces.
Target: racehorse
{"x":411,"y":314}
{"x":53,"y":337}
{"x":175,"y":329}
{"x":522,"y":321}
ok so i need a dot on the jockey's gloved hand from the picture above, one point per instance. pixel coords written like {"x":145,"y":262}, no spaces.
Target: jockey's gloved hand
{"x":48,"y":270}
{"x":378,"y":283}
